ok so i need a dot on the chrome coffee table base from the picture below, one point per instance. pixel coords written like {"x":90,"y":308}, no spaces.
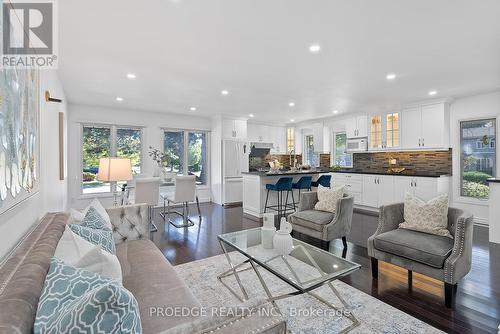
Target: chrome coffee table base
{"x":233,"y":271}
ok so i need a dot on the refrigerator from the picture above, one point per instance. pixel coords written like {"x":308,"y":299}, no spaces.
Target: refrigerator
{"x":235,"y":160}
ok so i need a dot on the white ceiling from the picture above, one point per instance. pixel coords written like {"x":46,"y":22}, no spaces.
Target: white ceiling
{"x":184,"y":52}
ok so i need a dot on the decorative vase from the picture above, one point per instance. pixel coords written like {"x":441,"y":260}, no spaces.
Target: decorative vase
{"x":267,"y":231}
{"x":157,"y":170}
{"x":283,"y":241}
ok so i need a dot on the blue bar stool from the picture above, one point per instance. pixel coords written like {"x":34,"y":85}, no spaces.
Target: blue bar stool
{"x":305,"y":183}
{"x":323,"y":180}
{"x":284,"y":184}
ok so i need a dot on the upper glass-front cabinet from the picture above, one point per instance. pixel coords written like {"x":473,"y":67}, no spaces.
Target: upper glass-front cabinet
{"x":384,"y":131}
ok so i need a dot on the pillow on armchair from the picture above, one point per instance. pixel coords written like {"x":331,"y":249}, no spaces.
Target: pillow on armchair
{"x":429,"y":217}
{"x":328,"y":198}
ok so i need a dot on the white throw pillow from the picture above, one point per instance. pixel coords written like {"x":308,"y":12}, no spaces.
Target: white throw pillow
{"x":76,"y":216}
{"x":327,"y":198}
{"x":77,"y":252}
{"x":429,"y":217}
{"x":100,"y":209}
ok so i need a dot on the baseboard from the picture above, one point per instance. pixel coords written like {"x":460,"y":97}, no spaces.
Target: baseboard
{"x":480,"y":221}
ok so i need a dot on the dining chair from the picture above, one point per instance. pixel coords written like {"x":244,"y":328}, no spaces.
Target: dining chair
{"x":147,"y":190}
{"x":184,"y":193}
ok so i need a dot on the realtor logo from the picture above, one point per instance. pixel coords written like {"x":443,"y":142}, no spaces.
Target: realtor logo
{"x":29,"y":34}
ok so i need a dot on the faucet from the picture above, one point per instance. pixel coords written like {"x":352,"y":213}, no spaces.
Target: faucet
{"x":292,"y":162}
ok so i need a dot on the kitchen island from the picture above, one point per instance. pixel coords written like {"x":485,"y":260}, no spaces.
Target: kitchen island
{"x":254,"y":189}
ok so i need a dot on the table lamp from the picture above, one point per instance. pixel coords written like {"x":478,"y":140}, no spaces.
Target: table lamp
{"x":115,"y":170}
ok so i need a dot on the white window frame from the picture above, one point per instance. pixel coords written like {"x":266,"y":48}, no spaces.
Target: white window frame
{"x":334,"y":145}
{"x":113,"y":128}
{"x":457,"y":173}
{"x":186,"y":132}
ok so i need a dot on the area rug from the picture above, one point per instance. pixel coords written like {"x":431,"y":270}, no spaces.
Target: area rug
{"x":301,"y":312}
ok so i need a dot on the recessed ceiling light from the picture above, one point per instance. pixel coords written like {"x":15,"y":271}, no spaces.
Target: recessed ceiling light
{"x":291,"y":104}
{"x":335,"y":111}
{"x":432,"y":93}
{"x":390,"y":76}
{"x":251,"y":115}
{"x":224,"y":92}
{"x":131,"y":76}
{"x":192,"y":108}
{"x":314,"y":48}
{"x":119,"y":99}
{"x":292,"y":120}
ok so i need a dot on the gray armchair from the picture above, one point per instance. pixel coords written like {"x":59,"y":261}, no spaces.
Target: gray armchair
{"x":323,"y":225}
{"x":442,"y":258}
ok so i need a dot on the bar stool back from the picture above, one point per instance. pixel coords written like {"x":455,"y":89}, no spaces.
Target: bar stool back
{"x":323,"y":180}
{"x":284,"y":184}
{"x":304,"y":183}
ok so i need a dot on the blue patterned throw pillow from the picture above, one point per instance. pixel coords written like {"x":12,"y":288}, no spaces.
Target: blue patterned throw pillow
{"x":94,"y":220}
{"x":100,"y":237}
{"x":79,"y":301}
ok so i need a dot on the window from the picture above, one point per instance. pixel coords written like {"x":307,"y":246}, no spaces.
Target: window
{"x":392,"y":132}
{"x":342,"y":158}
{"x":478,"y":157}
{"x":108,"y":141}
{"x":290,"y":139}
{"x":187,"y":153}
{"x":96,"y":144}
{"x":310,"y":157}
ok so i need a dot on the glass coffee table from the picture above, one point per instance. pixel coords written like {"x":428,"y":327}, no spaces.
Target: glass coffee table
{"x":305,"y":269}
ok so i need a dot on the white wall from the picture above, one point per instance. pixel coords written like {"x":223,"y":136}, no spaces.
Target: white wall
{"x":472,"y":107}
{"x":53,"y":192}
{"x":152,"y":123}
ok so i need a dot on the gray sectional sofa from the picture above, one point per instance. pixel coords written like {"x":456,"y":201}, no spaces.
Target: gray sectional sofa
{"x":146,"y":273}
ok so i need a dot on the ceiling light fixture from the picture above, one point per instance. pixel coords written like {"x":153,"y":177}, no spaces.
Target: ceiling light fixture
{"x":335,"y":111}
{"x":390,"y":76}
{"x":314,"y":48}
{"x":192,"y":108}
{"x":291,"y":104}
{"x":432,"y":93}
{"x":119,"y":99}
{"x":224,"y":92}
{"x":251,"y":115}
{"x":292,"y":120}
{"x":131,"y":76}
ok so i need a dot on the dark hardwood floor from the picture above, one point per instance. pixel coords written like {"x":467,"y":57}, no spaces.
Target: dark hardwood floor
{"x":477,"y":308}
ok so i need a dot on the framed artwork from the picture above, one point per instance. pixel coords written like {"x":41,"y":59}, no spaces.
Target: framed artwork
{"x":19,"y":136}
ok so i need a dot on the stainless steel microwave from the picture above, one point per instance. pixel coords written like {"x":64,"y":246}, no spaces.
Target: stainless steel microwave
{"x":357,"y":145}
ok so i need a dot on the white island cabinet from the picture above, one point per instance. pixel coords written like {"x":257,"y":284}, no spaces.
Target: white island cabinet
{"x":254,"y":190}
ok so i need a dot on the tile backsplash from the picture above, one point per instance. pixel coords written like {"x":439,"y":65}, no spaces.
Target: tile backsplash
{"x":439,"y":162}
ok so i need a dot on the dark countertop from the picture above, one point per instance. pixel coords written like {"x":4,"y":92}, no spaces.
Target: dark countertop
{"x":404,"y":173}
{"x":494,"y":180}
{"x":285,"y":173}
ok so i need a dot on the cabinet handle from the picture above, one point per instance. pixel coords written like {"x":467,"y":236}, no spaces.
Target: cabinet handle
{"x":423,"y":141}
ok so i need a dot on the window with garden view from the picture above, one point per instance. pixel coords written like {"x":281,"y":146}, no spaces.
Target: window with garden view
{"x":186,"y":153}
{"x":107,"y":141}
{"x":342,"y":158}
{"x":478,"y":157}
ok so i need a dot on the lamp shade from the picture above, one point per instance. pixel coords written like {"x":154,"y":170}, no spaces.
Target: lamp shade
{"x":114,"y":169}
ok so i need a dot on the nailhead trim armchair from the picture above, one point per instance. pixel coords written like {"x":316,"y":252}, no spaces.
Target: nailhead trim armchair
{"x":456,"y":264}
{"x":322,"y":225}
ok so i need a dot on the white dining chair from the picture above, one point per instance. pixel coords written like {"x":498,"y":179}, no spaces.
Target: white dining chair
{"x":185,"y":192}
{"x":147,"y":190}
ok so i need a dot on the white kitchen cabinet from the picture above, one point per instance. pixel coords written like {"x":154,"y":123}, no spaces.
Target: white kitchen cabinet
{"x":425,"y":188}
{"x":357,"y":127}
{"x":370,"y":191}
{"x":278,"y":136}
{"x":253,"y":132}
{"x":353,"y":184}
{"x":234,"y":129}
{"x":268,"y":134}
{"x":426,"y":127}
{"x":384,"y":131}
{"x":378,"y":190}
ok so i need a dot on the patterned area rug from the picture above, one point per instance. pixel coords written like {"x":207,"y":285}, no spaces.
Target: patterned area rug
{"x":301,"y":311}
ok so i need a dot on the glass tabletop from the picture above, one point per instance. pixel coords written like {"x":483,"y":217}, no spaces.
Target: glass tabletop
{"x":305,"y":268}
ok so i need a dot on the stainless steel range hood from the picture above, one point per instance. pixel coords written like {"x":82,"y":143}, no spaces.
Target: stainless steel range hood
{"x":260,"y":150}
